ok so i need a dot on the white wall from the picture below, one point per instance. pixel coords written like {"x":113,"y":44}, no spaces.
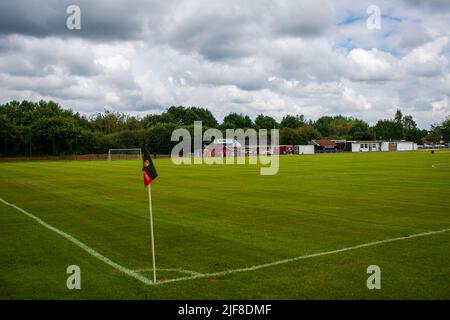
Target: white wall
{"x":405,"y":146}
{"x":305,"y":149}
{"x":385,"y":146}
{"x":401,"y":146}
{"x":356,"y":146}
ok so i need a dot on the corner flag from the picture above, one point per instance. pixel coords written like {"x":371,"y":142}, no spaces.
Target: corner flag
{"x":150,"y":174}
{"x":148,"y":168}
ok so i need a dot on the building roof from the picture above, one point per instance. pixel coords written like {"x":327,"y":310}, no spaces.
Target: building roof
{"x":340,"y":141}
{"x":324,"y":143}
{"x":367,"y":141}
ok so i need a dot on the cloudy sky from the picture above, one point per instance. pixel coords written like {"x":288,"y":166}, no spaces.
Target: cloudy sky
{"x":255,"y":56}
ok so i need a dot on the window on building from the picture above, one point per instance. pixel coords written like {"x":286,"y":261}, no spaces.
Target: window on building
{"x":362,"y":146}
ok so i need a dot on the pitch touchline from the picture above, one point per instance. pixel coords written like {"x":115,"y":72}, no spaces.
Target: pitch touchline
{"x":80,"y":244}
{"x":284,"y":261}
{"x":135,"y":274}
{"x":179,"y":270}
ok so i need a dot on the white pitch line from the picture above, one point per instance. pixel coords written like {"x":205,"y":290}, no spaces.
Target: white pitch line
{"x":284,"y":261}
{"x":136,"y":275}
{"x":194,"y":273}
{"x":80,"y":244}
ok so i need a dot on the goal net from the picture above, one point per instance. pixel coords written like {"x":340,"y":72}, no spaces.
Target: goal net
{"x":121,"y":154}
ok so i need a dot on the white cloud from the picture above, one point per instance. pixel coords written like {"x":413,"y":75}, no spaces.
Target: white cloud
{"x":372,"y":65}
{"x":355,"y":100}
{"x":441,"y":106}
{"x":427,"y":60}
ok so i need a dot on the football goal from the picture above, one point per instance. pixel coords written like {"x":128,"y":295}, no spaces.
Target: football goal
{"x":120,"y":154}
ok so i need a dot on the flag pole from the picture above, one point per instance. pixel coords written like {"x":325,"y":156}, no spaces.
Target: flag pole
{"x":151,"y":231}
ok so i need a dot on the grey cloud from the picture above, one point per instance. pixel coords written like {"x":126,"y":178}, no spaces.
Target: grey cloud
{"x":33,"y":57}
{"x":412,"y":35}
{"x":44,"y":85}
{"x":235,"y":29}
{"x":101,"y":19}
{"x":300,"y":18}
{"x":432,"y":5}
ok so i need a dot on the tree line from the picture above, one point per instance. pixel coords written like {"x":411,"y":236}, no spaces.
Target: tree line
{"x":45,"y":128}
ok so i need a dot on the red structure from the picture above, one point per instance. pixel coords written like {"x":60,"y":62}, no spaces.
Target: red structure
{"x":324,"y":146}
{"x":286,"y":149}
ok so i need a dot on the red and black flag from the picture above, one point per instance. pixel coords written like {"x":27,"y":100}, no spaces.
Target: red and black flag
{"x":148,"y":168}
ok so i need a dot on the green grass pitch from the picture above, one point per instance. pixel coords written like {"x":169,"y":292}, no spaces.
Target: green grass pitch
{"x":214,"y":218}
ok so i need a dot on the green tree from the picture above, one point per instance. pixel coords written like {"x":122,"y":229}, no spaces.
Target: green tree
{"x":340,"y":127}
{"x":55,"y":135}
{"x":416,"y":135}
{"x":109,"y":122}
{"x":187,"y":116}
{"x":308,"y":133}
{"x":46,"y":128}
{"x":435,"y":134}
{"x":296,"y":136}
{"x":398,"y":116}
{"x":388,"y":130}
{"x":133,"y":123}
{"x":265,"y":122}
{"x":159,"y":138}
{"x":205,"y":116}
{"x":289,"y":121}
{"x":445,"y":129}
{"x":408,"y":123}
{"x":360,"y":131}
{"x":236,"y":121}
{"x":290,"y":136}
{"x":154,"y":119}
{"x":323,"y":125}
{"x":8,"y":133}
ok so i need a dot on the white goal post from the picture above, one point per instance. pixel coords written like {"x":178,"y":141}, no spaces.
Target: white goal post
{"x":133,"y":153}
